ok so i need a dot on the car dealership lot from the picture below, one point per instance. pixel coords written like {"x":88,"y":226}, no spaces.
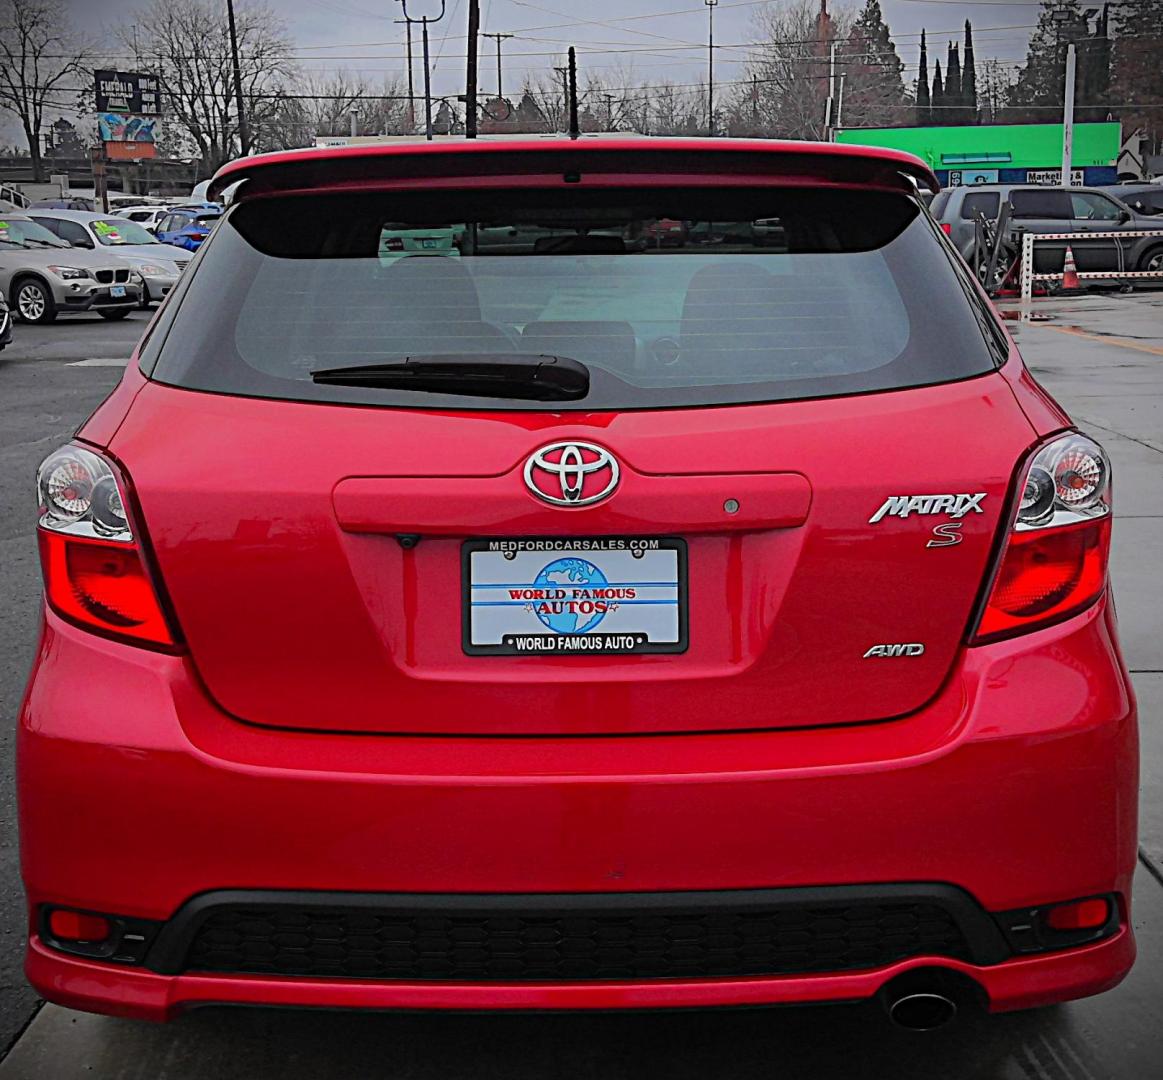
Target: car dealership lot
{"x":1101,"y":356}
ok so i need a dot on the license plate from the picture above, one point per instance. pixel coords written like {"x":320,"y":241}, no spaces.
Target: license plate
{"x":117,"y":291}
{"x":574,"y":597}
{"x":428,"y":243}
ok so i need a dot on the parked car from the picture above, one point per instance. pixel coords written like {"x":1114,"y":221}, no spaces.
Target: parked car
{"x":159,"y":265}
{"x":5,"y":322}
{"x":1144,"y":199}
{"x":426,"y":240}
{"x":187,"y":227}
{"x":577,"y":628}
{"x":72,"y":202}
{"x":1053,"y":210}
{"x":145,"y":216}
{"x":664,"y":232}
{"x":43,"y":277}
{"x":131,"y":202}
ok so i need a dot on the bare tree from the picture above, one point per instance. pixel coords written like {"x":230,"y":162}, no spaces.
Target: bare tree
{"x":187,"y":44}
{"x":316,"y":106}
{"x":789,"y":71}
{"x":39,"y":61}
{"x":675,"y":109}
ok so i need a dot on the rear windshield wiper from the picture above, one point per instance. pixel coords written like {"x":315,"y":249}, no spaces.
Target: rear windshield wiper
{"x":499,"y":375}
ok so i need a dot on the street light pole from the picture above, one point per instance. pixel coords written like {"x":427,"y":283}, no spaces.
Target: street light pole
{"x":424,"y":21}
{"x":711,"y":65}
{"x":1068,"y":115}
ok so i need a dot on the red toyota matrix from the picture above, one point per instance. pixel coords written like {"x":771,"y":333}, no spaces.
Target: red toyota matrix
{"x":466,"y":602}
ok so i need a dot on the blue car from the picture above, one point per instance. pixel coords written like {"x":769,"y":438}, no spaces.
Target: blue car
{"x":187,"y":226}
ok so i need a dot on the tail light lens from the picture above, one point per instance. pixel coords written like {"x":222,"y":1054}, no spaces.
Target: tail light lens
{"x":1054,"y":562}
{"x":946,"y":228}
{"x":95,"y":572}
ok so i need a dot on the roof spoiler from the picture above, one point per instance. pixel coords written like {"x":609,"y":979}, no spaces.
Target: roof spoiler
{"x":477,"y":162}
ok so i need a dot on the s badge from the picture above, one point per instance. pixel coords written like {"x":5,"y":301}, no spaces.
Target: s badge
{"x":946,"y":535}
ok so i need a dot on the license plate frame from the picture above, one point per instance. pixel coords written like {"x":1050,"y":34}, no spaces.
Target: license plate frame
{"x":611,"y":641}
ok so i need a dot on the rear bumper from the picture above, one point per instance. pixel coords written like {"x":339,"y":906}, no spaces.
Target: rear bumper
{"x":1018,"y":785}
{"x":1016,"y":984}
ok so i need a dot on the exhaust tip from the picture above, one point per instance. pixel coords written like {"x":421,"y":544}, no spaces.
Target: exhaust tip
{"x":922,"y":1011}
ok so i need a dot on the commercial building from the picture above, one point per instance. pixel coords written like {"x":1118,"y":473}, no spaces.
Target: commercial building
{"x":1003,"y":153}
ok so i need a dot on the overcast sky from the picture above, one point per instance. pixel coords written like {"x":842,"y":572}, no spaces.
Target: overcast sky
{"x":652,"y":39}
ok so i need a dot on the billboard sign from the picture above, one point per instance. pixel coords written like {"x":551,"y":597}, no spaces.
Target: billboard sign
{"x":133,"y":92}
{"x":117,"y":127}
{"x":128,"y":138}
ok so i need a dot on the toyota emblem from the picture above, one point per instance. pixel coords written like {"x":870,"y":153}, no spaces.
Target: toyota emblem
{"x":571,"y":473}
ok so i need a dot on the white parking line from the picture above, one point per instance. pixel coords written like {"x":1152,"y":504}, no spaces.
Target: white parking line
{"x":100,"y":361}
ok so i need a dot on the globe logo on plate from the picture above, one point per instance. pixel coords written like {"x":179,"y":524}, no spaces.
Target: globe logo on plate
{"x":576,"y":596}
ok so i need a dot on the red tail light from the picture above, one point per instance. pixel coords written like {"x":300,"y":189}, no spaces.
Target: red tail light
{"x":946,"y":228}
{"x":1054,"y":563}
{"x":95,"y":573}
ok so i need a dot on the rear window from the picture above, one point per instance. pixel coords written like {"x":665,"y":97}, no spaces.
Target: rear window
{"x":669,"y":297}
{"x":987,"y":202}
{"x":1042,"y":203}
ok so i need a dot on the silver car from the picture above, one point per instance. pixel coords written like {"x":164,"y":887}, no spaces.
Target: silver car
{"x":159,"y":265}
{"x":43,"y":277}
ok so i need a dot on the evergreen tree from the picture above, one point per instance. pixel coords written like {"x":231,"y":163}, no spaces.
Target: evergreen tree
{"x":924,"y":114}
{"x":1095,"y":85}
{"x":937,"y":98}
{"x":1040,"y":84}
{"x":969,"y":78}
{"x":1137,"y":68}
{"x":874,"y":86}
{"x":953,"y":86}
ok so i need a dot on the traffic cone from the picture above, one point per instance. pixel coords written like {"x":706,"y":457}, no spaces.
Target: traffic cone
{"x":1070,"y":278}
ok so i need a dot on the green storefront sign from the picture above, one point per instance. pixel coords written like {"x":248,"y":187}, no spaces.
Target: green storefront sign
{"x":1002,"y":153}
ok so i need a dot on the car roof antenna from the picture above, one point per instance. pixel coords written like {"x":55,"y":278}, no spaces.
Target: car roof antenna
{"x":574,"y":130}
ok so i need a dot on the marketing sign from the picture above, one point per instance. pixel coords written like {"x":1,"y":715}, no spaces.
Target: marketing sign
{"x":1053,"y":177}
{"x":131,"y":92}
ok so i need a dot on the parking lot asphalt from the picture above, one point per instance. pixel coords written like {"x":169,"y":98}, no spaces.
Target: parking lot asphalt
{"x":1101,"y":356}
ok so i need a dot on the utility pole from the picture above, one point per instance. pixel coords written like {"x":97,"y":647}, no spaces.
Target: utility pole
{"x":711,"y":4}
{"x":571,"y":87}
{"x":243,"y":131}
{"x":424,"y":21}
{"x":499,"y":38}
{"x":411,"y":88}
{"x":840,"y":103}
{"x":1068,"y":115}
{"x":470,"y":81}
{"x":828,"y":105}
{"x":564,"y":73}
